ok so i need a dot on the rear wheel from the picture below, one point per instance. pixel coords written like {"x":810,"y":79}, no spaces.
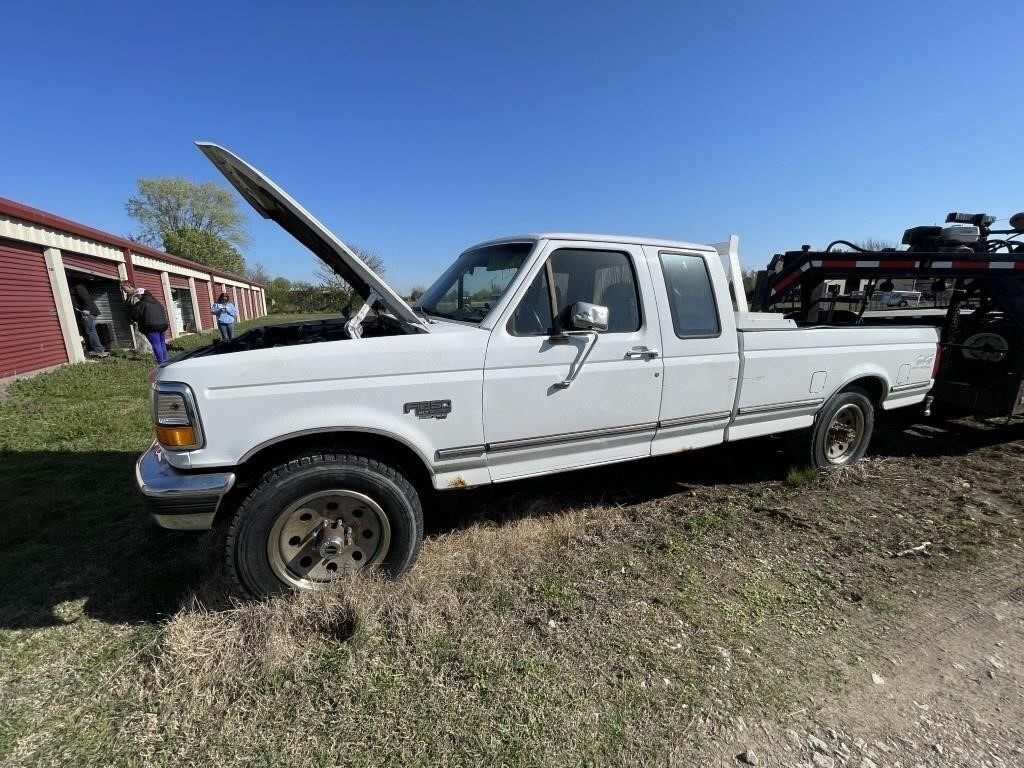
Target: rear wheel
{"x":320,"y":517}
{"x":842,"y":429}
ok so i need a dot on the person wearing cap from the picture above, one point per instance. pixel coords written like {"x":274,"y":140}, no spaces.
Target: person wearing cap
{"x":146,"y":312}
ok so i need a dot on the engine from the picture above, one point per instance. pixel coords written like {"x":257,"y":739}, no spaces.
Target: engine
{"x":963,"y":233}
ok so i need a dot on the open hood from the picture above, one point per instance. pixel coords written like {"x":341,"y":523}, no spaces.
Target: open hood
{"x":272,"y":202}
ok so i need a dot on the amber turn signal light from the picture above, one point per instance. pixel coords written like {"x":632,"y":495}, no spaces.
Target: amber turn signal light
{"x":176,"y":437}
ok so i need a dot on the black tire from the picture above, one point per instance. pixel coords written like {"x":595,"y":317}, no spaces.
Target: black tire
{"x":247,"y":562}
{"x":825,"y":435}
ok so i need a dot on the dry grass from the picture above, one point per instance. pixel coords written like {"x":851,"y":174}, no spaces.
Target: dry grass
{"x":579,"y":636}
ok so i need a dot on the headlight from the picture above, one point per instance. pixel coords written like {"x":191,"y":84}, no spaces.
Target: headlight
{"x":175,"y":416}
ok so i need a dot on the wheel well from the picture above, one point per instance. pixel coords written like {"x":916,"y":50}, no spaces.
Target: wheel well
{"x":874,"y":386}
{"x":387,"y":449}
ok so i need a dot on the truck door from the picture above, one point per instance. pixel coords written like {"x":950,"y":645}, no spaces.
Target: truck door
{"x":699,"y":348}
{"x":533,"y":422}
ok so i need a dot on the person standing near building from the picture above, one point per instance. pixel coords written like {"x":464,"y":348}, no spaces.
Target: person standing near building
{"x":226,"y":315}
{"x":87,"y":310}
{"x":151,"y":318}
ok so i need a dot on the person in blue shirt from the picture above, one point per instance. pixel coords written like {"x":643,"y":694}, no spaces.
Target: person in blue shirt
{"x":226,"y":315}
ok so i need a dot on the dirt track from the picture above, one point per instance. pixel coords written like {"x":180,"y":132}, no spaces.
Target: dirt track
{"x":937,"y":678}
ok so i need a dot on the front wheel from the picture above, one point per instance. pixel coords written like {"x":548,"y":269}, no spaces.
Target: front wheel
{"x":320,"y":517}
{"x":842,"y":429}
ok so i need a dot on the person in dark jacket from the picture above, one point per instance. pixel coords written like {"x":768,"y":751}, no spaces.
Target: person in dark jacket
{"x":88,"y":312}
{"x":151,"y":318}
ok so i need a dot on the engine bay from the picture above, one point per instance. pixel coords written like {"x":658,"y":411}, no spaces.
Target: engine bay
{"x":290,"y":334}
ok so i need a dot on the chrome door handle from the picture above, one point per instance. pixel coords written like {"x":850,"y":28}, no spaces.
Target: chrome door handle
{"x":643,"y":353}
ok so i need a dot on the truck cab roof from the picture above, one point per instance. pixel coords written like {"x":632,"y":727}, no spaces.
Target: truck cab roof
{"x":598,"y":238}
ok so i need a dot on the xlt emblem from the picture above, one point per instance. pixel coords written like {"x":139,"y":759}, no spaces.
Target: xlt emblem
{"x":429,"y":409}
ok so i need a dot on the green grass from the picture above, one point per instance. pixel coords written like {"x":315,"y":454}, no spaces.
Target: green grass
{"x":580,"y":620}
{"x":798,"y":477}
{"x":86,"y":578}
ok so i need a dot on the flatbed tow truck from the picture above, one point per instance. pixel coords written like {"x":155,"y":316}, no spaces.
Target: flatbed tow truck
{"x":981,"y":369}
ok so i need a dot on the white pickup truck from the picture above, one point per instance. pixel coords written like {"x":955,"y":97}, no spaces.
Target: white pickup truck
{"x":315,"y":441}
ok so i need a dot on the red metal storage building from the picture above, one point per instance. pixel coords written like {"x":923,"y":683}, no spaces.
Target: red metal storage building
{"x":42,"y":256}
{"x":30,"y":332}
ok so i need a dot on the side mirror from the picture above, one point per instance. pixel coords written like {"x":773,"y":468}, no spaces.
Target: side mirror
{"x":584,"y":316}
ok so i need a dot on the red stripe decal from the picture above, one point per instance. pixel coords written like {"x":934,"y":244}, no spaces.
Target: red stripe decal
{"x":784,"y":283}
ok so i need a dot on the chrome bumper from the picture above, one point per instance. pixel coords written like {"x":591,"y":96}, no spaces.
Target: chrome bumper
{"x":184,"y":501}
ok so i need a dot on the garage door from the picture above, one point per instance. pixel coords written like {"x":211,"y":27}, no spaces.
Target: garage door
{"x":203,"y":296}
{"x":91,"y":266}
{"x":30,"y":333}
{"x":151,"y":282}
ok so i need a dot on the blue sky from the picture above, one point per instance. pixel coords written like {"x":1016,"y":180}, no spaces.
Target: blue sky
{"x":416,"y":129}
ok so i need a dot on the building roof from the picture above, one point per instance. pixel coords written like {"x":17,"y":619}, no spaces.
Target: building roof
{"x":36,"y":216}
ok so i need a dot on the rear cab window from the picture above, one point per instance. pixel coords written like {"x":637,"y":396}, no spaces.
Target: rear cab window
{"x":691,"y":298}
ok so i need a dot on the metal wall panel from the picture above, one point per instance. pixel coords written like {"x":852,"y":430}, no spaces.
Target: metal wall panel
{"x":30,"y":333}
{"x":204,"y":301}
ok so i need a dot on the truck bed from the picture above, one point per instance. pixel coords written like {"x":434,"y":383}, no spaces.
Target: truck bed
{"x":787,"y":373}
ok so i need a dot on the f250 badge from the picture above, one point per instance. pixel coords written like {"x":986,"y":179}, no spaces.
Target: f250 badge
{"x":429,"y":409}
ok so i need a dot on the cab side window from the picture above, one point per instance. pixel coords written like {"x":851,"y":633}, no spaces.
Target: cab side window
{"x":598,"y":277}
{"x":690,"y":298}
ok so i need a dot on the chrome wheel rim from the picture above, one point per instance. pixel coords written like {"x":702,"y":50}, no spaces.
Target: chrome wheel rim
{"x":327,"y":535}
{"x":844,"y":434}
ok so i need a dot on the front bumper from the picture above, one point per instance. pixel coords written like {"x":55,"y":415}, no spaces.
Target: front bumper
{"x":183,"y":501}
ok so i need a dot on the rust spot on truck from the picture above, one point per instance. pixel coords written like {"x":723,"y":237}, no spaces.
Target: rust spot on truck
{"x":458,"y":482}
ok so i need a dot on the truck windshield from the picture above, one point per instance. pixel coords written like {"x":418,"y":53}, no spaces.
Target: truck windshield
{"x":471,"y":287}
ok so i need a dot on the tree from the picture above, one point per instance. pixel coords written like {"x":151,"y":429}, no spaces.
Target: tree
{"x":335,"y":290}
{"x":258,"y":274}
{"x":416,"y":292}
{"x":204,"y":247}
{"x":306,"y":297}
{"x":278,"y":291}
{"x":874,"y":244}
{"x":328,"y":277}
{"x":749,"y":280}
{"x":174,"y":204}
